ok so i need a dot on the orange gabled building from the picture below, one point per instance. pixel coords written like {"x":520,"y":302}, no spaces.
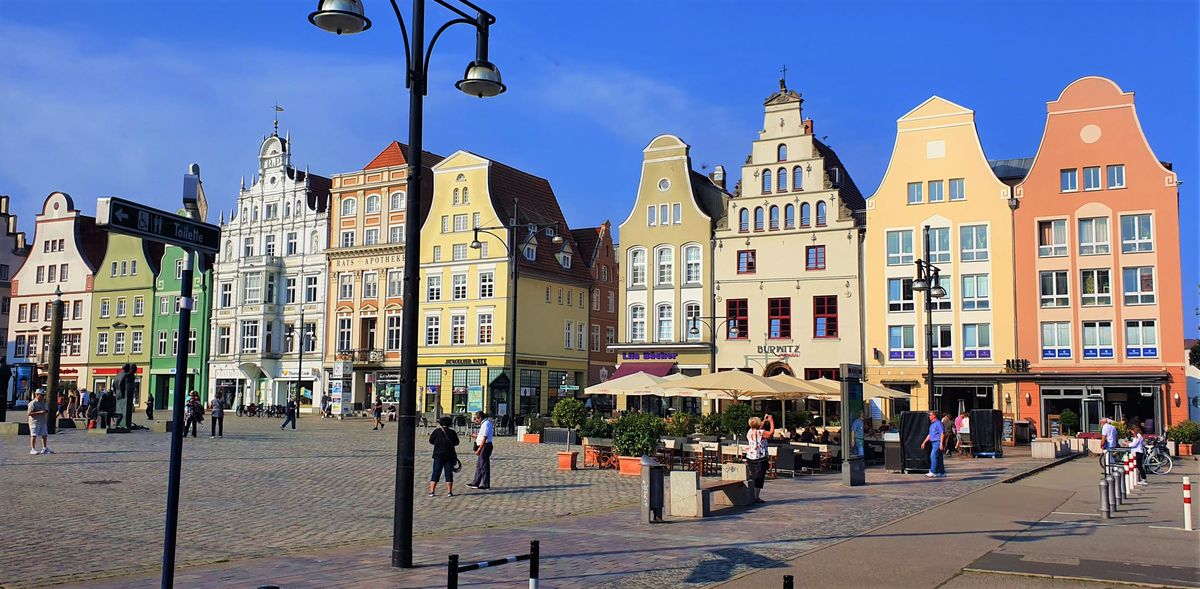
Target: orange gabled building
{"x":1098,"y":286}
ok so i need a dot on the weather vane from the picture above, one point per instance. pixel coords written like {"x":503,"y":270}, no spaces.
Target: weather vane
{"x":278,"y":109}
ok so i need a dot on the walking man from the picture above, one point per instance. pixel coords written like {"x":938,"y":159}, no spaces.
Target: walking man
{"x":149,"y":407}
{"x":217,"y":407}
{"x":289,"y":415}
{"x":936,"y":439}
{"x":38,"y":413}
{"x":483,"y":442}
{"x":1108,"y":433}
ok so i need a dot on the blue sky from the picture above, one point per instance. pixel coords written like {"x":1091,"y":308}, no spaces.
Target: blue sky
{"x":117,"y":97}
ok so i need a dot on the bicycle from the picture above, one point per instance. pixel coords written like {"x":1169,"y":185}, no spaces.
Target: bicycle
{"x":1157,"y":459}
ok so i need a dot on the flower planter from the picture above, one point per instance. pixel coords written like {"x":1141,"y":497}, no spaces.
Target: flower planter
{"x":1185,"y":449}
{"x":566,"y":460}
{"x":532,"y":438}
{"x":630,"y":465}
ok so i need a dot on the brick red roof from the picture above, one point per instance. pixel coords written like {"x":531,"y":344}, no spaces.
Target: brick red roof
{"x":392,"y":155}
{"x":587,"y":240}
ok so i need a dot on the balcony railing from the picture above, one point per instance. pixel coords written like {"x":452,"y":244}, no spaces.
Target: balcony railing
{"x":363,"y":356}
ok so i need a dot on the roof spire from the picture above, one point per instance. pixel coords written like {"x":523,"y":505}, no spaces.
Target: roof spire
{"x":243,"y":181}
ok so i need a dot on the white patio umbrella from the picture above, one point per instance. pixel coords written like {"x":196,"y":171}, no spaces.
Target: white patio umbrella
{"x":637,"y":383}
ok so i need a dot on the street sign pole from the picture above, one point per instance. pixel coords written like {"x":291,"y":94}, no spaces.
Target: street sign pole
{"x":172,"y":523}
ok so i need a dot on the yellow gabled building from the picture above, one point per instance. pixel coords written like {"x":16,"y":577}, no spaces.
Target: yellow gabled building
{"x":466,"y":334}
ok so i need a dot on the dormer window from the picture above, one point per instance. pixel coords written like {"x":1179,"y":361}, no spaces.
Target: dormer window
{"x":549,"y":232}
{"x":565,"y":260}
{"x":530,"y":251}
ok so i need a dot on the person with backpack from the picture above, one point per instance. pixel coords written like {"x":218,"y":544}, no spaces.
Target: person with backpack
{"x":289,"y":415}
{"x":445,"y":459}
{"x":217,"y":407}
{"x":195,"y":414}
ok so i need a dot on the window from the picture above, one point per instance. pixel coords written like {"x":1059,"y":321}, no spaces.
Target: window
{"x":825,"y":323}
{"x":114,"y":269}
{"x":370,"y":286}
{"x":758,"y":218}
{"x":766,"y":181}
{"x":805,"y":214}
{"x":1141,"y":339}
{"x":343,"y":334}
{"x":737,"y":313}
{"x":943,"y":342}
{"x":914,"y":193}
{"x":373,"y":202}
{"x":900,"y":295}
{"x":612,"y":302}
{"x":744,"y":220}
{"x":22,"y":313}
{"x":595,"y":338}
{"x":349,"y":207}
{"x":485,"y":328}
{"x":1091,"y":178}
{"x":268,"y":245}
{"x":121,"y":306}
{"x":637,"y":272}
{"x":814,"y":257}
{"x":789,"y":216}
{"x":345,"y":287}
{"x":135,"y":345}
{"x":745,"y":262}
{"x":530,"y":251}
{"x":458,"y":287}
{"x":1068,"y":180}
{"x":119,"y":342}
{"x":41,"y":274}
{"x":666,"y":265}
{"x":939,"y":245}
{"x":62,"y":272}
{"x":249,"y":336}
{"x":139,"y":306}
{"x":779,"y":318}
{"x":475,"y":220}
{"x":899,"y":247}
{"x":665,"y":317}
{"x":1138,"y":283}
{"x":487,"y":285}
{"x":102,"y":343}
{"x":224,"y":340}
{"x":1095,"y":287}
{"x":396,"y":201}
{"x":105,"y":307}
{"x":781,"y":153}
{"x":901,"y":343}
{"x":531,"y":391}
{"x":773,"y":217}
{"x":1093,"y":236}
{"x":348,"y":238}
{"x":310,"y":289}
{"x":466,"y":195}
{"x":164,"y":306}
{"x":445,"y":223}
{"x":610,"y":335}
{"x":19,"y":351}
{"x":1052,"y":238}
{"x":458,"y":252}
{"x":691,"y":313}
{"x":433,"y":288}
{"x":290,"y":244}
{"x":595,"y":299}
{"x":433,"y":330}
{"x":76,"y":310}
{"x":547,"y":294}
{"x":371,"y":236}
{"x":677,"y":213}
{"x":1136,"y":234}
{"x":1056,"y":340}
{"x":247,"y":246}
{"x":460,"y":223}
{"x":251,"y":290}
{"x":51,"y":273}
{"x":958,"y":190}
{"x":637,"y":323}
{"x":975,"y":292}
{"x":458,"y":330}
{"x":937,"y":191}
{"x":977,"y":341}
{"x":133,"y":267}
{"x":289,"y":290}
{"x":820,"y":213}
{"x":1055,"y":289}
{"x":974,"y":243}
{"x":1097,"y":340}
{"x":651,"y":215}
{"x":781,"y":179}
{"x":1116,"y":176}
{"x":691,"y":255}
{"x":396,"y":234}
{"x":271,"y":289}
{"x":270,"y":211}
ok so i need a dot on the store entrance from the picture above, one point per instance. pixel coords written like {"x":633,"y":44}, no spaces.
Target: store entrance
{"x":958,"y":398}
{"x":1140,"y":404}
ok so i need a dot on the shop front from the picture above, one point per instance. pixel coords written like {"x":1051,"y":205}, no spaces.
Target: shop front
{"x":1068,"y":409}
{"x":462,"y":386}
{"x":685,"y":359}
{"x":103,"y":377}
{"x":305,"y":381}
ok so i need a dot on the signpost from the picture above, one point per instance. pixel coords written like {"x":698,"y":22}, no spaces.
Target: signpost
{"x":123,"y":216}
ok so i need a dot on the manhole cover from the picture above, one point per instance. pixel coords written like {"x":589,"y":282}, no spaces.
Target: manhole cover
{"x":101,"y":482}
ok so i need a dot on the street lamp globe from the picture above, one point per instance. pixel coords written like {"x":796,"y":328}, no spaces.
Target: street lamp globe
{"x":481,"y":79}
{"x":557,"y":240}
{"x":937,"y":291}
{"x":694,"y":330}
{"x":475,"y":244}
{"x":340,"y":16}
{"x":920,"y":285}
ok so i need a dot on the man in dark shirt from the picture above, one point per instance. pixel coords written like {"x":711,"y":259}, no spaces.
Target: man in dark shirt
{"x":445,"y":458}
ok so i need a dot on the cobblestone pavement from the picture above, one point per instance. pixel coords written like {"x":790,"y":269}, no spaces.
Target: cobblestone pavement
{"x":586,"y":521}
{"x":98,"y":504}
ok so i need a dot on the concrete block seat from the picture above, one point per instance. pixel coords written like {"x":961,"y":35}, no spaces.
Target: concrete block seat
{"x":692,"y":498}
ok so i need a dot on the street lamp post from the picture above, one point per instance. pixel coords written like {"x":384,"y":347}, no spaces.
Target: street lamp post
{"x":510,"y":247}
{"x":711,"y":322}
{"x":480,"y":79}
{"x":928,"y":281}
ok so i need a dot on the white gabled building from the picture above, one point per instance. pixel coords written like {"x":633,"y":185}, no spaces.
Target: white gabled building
{"x":269,"y":285}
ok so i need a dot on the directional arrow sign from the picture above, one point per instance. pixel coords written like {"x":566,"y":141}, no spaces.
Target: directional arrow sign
{"x":122,"y":216}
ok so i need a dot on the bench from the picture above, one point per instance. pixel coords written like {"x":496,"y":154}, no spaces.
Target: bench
{"x":691,"y":498}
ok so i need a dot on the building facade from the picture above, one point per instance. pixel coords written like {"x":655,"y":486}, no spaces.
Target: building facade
{"x":14,"y":250}
{"x":787,"y":262}
{"x":597,"y":251}
{"x":366,"y":274}
{"x":168,"y":289}
{"x":1098,"y":269}
{"x":939,"y":178}
{"x":270,"y":282}
{"x":67,"y":247}
{"x":123,"y":311}
{"x":468,"y":336}
{"x":668,"y":323}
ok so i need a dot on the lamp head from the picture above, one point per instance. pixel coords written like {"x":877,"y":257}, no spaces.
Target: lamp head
{"x":694,"y":330}
{"x":481,"y":79}
{"x":937,"y":291}
{"x":475,"y":244}
{"x":920,"y":285}
{"x":557,"y":240}
{"x":340,"y":16}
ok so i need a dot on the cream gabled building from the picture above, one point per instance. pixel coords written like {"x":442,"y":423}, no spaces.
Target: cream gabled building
{"x":787,"y":262}
{"x":666,"y":269}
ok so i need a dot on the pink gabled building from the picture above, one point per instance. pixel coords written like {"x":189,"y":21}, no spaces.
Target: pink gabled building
{"x":1098,"y":285}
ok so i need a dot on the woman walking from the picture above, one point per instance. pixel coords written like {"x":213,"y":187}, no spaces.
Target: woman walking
{"x":377,"y":413}
{"x":1137,"y":447}
{"x":756,"y":453}
{"x":445,"y":458}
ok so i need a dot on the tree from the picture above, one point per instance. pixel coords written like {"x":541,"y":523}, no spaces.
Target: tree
{"x":1194,"y":354}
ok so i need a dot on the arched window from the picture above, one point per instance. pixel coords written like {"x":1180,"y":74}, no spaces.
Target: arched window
{"x":455,"y":202}
{"x":758,"y":218}
{"x":595,"y":299}
{"x":245,"y":214}
{"x":744,"y":220}
{"x":797,"y":178}
{"x":373,"y":203}
{"x":781,"y":179}
{"x":637,"y":323}
{"x":774,"y":217}
{"x":820,"y":213}
{"x":692,"y":312}
{"x":665,"y":265}
{"x":603,"y":273}
{"x":466,"y":199}
{"x":349,"y":207}
{"x":781,"y":152}
{"x":665,"y":330}
{"x":789,"y":217}
{"x":766,"y":187}
{"x":692,"y":264}
{"x":396,"y":201}
{"x":637,"y":267}
{"x":805,"y":214}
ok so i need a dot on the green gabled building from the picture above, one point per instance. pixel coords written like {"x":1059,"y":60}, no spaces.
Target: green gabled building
{"x":122,"y":312}
{"x":166,"y":336}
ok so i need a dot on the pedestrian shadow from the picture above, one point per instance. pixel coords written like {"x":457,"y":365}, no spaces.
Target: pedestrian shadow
{"x":723,"y":562}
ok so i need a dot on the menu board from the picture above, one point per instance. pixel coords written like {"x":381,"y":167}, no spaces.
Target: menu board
{"x":1007,"y":432}
{"x":1055,"y":425}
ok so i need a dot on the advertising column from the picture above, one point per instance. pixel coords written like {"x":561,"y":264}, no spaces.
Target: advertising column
{"x":339,"y":388}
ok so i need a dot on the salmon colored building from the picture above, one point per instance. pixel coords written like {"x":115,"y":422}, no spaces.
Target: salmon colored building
{"x":1099,"y":297}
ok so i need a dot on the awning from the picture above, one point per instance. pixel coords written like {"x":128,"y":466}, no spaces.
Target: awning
{"x":651,"y":368}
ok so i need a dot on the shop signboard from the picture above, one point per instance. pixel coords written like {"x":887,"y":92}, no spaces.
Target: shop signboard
{"x":1007,"y":432}
{"x":23,"y":377}
{"x":342,"y":369}
{"x":474,"y":398}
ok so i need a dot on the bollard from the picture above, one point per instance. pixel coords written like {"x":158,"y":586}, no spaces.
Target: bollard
{"x":452,"y":572}
{"x":1104,"y":509}
{"x":1112,"y":492}
{"x":789,"y":582}
{"x":535,"y":553}
{"x":1187,"y":503}
{"x":1118,"y":477}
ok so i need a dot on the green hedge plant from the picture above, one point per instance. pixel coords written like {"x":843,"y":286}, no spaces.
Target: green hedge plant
{"x":636,"y":434}
{"x":681,"y":425}
{"x":535,"y":425}
{"x":709,"y":425}
{"x":1184,"y":432}
{"x":568,"y":413}
{"x":735,"y":418}
{"x":596,"y":427}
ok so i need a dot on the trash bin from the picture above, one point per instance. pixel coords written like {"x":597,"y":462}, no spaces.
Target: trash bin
{"x":1021,"y":433}
{"x":653,"y":474}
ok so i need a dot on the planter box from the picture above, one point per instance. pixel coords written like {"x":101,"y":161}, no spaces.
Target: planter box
{"x":560,"y":435}
{"x":1185,"y":449}
{"x":532,"y":438}
{"x":630,"y":465}
{"x":1049,"y":448}
{"x":566,"y":460}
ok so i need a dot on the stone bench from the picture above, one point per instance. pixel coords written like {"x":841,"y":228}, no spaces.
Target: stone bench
{"x":14,"y":428}
{"x":1049,"y":448}
{"x":692,"y":498}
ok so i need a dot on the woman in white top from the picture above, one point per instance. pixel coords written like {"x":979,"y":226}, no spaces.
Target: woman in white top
{"x":756,"y":454}
{"x":1137,"y":446}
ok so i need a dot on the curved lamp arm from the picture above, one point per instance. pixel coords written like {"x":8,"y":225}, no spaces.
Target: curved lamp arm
{"x":407,"y":47}
{"x":434,"y":39}
{"x":479,"y":230}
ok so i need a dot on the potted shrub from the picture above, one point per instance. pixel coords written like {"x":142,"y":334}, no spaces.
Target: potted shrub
{"x":709,"y":427}
{"x":1069,"y":420}
{"x":681,"y":425}
{"x":596,"y":431}
{"x":1186,"y":434}
{"x":735,"y":419}
{"x":533,"y":430}
{"x":636,"y":435}
{"x":569,"y":414}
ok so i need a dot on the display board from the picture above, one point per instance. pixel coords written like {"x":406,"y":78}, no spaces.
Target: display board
{"x":1007,"y":435}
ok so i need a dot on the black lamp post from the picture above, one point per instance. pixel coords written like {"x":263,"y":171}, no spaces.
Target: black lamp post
{"x":928,"y":281}
{"x":711,"y":322}
{"x":480,"y":79}
{"x":510,"y":247}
